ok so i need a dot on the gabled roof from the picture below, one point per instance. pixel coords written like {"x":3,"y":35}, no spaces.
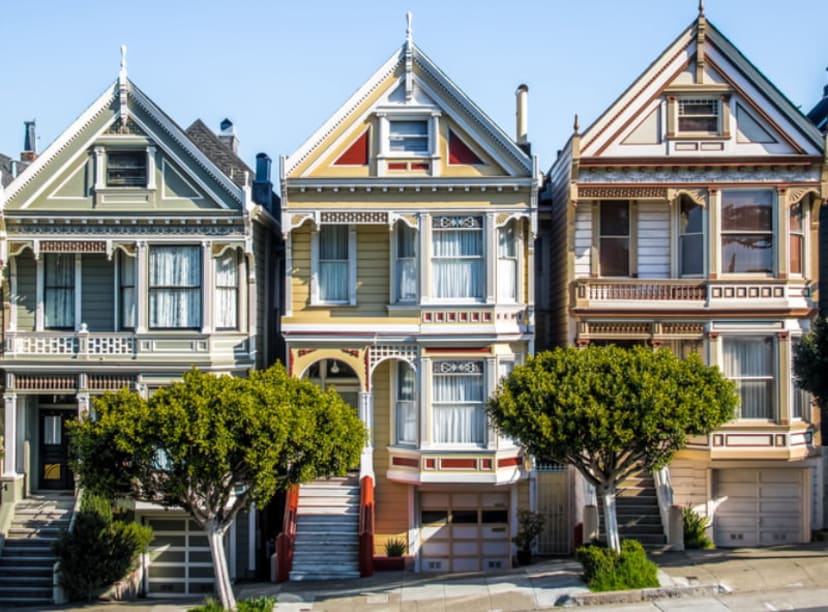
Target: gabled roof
{"x":476,"y":120}
{"x":219,"y":153}
{"x":124,"y":92}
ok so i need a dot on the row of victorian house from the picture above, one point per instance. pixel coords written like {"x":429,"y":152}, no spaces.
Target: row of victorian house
{"x":424,"y":255}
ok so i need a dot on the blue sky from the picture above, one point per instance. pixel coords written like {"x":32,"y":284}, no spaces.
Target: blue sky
{"x":279,"y":68}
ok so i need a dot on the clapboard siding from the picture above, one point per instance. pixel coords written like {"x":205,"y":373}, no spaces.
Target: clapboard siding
{"x":583,"y":241}
{"x":25,"y":298}
{"x":653,"y":240}
{"x":690,"y":485}
{"x":98,"y":292}
{"x":372,"y":270}
{"x":300,"y":272}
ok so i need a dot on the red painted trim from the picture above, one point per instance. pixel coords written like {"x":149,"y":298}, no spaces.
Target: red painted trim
{"x":357,"y":153}
{"x":458,"y":464}
{"x":508,"y":461}
{"x":405,"y":461}
{"x":286,"y":540}
{"x":366,"y":526}
{"x":460,"y":152}
{"x":397,"y":166}
{"x":419,"y":166}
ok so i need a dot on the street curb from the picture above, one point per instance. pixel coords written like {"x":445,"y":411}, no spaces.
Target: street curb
{"x":637,"y":595}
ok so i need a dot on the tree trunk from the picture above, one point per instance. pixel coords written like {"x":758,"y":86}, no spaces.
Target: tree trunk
{"x":224,"y":590}
{"x":610,"y":517}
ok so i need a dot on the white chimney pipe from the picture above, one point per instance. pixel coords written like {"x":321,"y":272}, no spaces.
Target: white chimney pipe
{"x":522,"y":114}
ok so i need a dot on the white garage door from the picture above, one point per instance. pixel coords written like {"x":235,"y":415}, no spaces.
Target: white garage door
{"x":179,"y":558}
{"x":758,"y":507}
{"x":464,"y":532}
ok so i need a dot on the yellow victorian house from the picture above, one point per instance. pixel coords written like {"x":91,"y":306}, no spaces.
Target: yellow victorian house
{"x":409,"y":220}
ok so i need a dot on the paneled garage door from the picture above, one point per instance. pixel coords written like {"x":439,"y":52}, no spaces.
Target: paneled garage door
{"x":179,"y":558}
{"x":464,"y":532}
{"x":758,"y":507}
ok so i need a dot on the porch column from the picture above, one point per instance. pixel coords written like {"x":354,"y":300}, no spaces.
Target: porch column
{"x":141,"y":290}
{"x":83,"y":405}
{"x":366,"y":415}
{"x":10,"y":435}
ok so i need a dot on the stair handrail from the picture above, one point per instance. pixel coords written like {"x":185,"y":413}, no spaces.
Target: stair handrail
{"x":664,"y":495}
{"x":366,"y":526}
{"x":58,"y":594}
{"x":286,"y":541}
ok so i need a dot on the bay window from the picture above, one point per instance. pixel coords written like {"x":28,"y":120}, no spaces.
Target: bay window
{"x":457,"y":257}
{"x":507,"y":262}
{"x":405,"y":254}
{"x":796,"y":239}
{"x":691,"y":238}
{"x":227,"y":290}
{"x":126,"y":290}
{"x":747,"y":231}
{"x":458,"y":407}
{"x":175,"y":287}
{"x":59,"y":290}
{"x":614,"y":241}
{"x":749,"y":362}
{"x":406,"y":408}
{"x":333,"y":272}
{"x":800,"y":399}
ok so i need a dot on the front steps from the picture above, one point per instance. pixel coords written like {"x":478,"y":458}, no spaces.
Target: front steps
{"x":327,"y":537}
{"x":27,"y":560}
{"x":636,"y":508}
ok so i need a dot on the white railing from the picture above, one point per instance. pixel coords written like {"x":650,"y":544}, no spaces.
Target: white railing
{"x":664,"y":494}
{"x":80,"y":343}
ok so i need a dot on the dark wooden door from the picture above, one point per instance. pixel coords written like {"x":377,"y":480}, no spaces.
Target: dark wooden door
{"x":54,"y":450}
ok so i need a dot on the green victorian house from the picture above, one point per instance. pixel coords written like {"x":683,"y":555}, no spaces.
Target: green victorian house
{"x":132,"y":250}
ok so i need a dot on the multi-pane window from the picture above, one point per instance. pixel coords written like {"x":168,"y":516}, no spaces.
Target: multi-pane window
{"x":126,"y":290}
{"x":405,"y":252}
{"x":699,"y":115}
{"x":459,"y":415}
{"x":507,"y":262}
{"x":408,"y":137}
{"x":749,"y":362}
{"x":175,"y":287}
{"x":59,"y":290}
{"x":457,"y":257}
{"x":614,"y":246}
{"x":334,"y":269}
{"x":126,"y":169}
{"x":796,"y":239}
{"x":747,"y":231}
{"x":406,"y":404}
{"x":227,"y":290}
{"x":691,"y":239}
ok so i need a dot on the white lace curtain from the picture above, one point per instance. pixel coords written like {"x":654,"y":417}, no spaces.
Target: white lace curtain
{"x":406,"y":263}
{"x":333,"y":263}
{"x":457,"y":265}
{"x":406,"y":404}
{"x":749,"y":362}
{"x":59,"y":294}
{"x":507,"y":262}
{"x":227,"y":290}
{"x":175,"y":287}
{"x":458,"y":409}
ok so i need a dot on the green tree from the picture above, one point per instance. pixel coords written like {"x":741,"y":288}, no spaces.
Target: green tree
{"x":611,"y":411}
{"x":211,"y":445}
{"x":811,"y":361}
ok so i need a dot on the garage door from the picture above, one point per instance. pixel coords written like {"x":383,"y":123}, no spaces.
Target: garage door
{"x":758,"y":507}
{"x":179,"y":558}
{"x":464,"y":532}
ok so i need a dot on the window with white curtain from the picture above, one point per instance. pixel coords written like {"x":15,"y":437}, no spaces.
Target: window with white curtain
{"x":227,"y":290}
{"x":334,"y":272}
{"x":59,"y":290}
{"x":457,"y":402}
{"x":406,"y":404}
{"x":175,"y":287}
{"x":405,"y":253}
{"x":457,"y":266}
{"x":749,"y":362}
{"x":507,"y":262}
{"x":126,"y":290}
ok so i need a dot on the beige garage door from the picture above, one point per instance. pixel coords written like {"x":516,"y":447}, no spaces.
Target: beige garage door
{"x":464,"y":532}
{"x":758,"y":507}
{"x":179,"y":558}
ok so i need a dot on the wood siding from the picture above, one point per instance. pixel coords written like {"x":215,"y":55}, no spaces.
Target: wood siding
{"x":583,"y":241}
{"x":690,"y":485}
{"x":653,"y":240}
{"x":25,"y":298}
{"x":300,"y":272}
{"x":97,"y":292}
{"x":372,"y":270}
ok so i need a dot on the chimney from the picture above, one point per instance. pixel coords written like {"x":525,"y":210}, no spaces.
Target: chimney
{"x":262,"y":185}
{"x":522,"y":116}
{"x":29,"y":153}
{"x":228,"y":135}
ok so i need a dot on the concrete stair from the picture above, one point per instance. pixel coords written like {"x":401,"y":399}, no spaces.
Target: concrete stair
{"x":636,"y":507}
{"x":327,"y":538}
{"x":27,"y":560}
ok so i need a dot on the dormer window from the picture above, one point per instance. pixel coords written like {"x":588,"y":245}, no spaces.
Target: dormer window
{"x":699,"y":115}
{"x":126,"y":169}
{"x":408,"y":137}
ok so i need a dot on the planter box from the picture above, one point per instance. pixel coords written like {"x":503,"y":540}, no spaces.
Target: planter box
{"x":392,"y":564}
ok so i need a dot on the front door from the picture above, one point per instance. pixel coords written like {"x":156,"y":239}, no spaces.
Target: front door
{"x":54,"y":451}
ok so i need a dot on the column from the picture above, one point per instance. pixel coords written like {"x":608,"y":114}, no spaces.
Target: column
{"x":83,"y":404}
{"x":714,"y":235}
{"x":490,"y":257}
{"x":10,"y":436}
{"x":782,"y":229}
{"x":423,"y":400}
{"x":100,"y":177}
{"x":208,"y":264}
{"x":150,"y":167}
{"x":424,"y":256}
{"x":491,"y":384}
{"x":141,"y":289}
{"x":366,"y":415}
{"x":434,"y":142}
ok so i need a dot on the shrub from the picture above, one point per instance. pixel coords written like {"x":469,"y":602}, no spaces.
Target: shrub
{"x":395,"y":547}
{"x":530,"y":526}
{"x":255,"y":604}
{"x":608,"y":570}
{"x":695,"y":529}
{"x":98,"y":551}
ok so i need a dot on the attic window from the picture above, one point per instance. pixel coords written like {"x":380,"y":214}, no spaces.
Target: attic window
{"x":408,"y":137}
{"x":126,"y":169}
{"x":699,"y":115}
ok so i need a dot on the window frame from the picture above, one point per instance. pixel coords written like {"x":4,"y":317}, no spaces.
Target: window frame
{"x":458,"y":368}
{"x":52,"y":289}
{"x":771,"y":378}
{"x":458,"y":223}
{"x":402,"y":368}
{"x":123,"y":261}
{"x":717,"y":116}
{"x":316,"y":261}
{"x":802,"y":234}
{"x":198,"y":288}
{"x":136,"y":176}
{"x":513,"y":257}
{"x":772,"y":233}
{"x":601,"y":236}
{"x":401,"y":228}
{"x":401,"y":137}
{"x":682,"y":234}
{"x":234,"y":288}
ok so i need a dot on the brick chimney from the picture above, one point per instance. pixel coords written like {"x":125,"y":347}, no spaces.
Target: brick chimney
{"x":29,"y":153}
{"x":228,"y":136}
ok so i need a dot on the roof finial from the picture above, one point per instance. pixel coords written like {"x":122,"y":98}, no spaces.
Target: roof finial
{"x":409,"y":34}
{"x":409,"y":60}
{"x":123,"y":88}
{"x":123,"y":73}
{"x":701,"y":8}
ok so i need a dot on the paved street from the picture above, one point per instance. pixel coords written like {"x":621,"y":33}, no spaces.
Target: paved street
{"x":779,"y":578}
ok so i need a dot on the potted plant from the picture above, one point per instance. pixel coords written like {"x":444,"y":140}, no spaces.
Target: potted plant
{"x":394,"y":559}
{"x":530,"y":526}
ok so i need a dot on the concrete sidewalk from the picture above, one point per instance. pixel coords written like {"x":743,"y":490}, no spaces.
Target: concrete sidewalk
{"x":548,"y":583}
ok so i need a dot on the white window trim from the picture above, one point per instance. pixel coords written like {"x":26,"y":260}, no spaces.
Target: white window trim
{"x":394,"y":433}
{"x":40,"y":291}
{"x":488,"y":246}
{"x":806,"y":224}
{"x":487,"y":388}
{"x":775,"y":375}
{"x":702,"y":98}
{"x":775,"y":231}
{"x":393,"y":294}
{"x":352,"y":270}
{"x":518,"y":258}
